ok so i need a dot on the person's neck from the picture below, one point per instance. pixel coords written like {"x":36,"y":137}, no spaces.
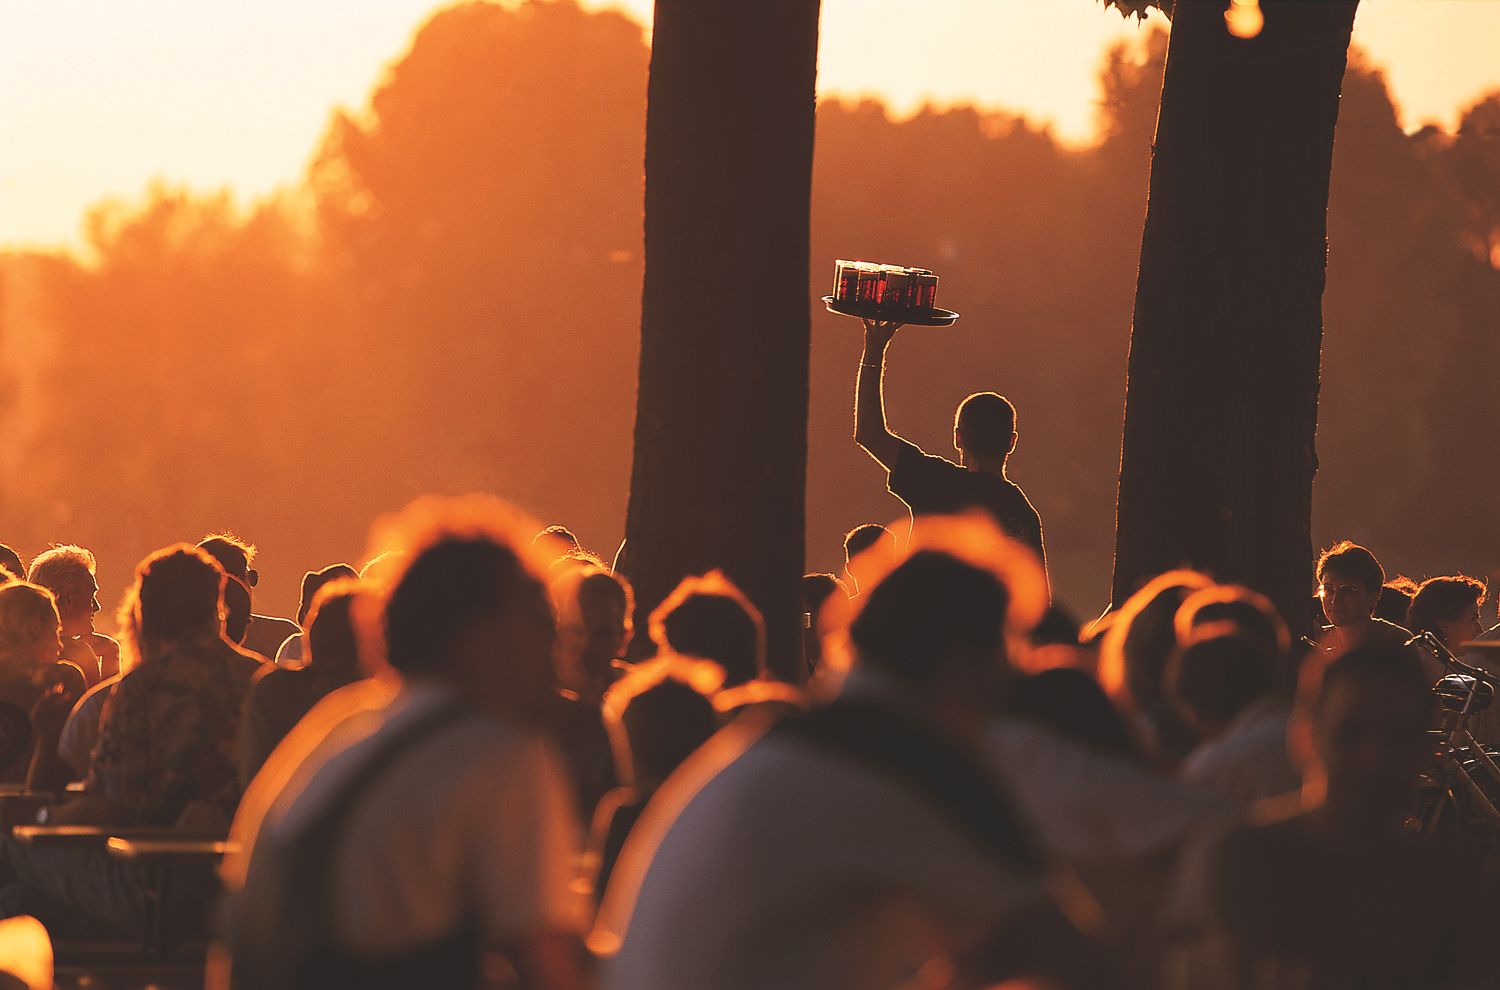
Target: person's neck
{"x":1350,"y":632}
{"x":985,"y":465}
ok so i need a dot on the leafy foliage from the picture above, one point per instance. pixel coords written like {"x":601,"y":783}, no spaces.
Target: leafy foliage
{"x":451,"y":302}
{"x":1140,"y":8}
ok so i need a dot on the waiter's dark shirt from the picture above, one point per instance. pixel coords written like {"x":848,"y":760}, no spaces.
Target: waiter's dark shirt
{"x":931,"y":485}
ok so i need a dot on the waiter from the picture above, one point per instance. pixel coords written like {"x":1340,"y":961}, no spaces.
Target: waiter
{"x":984,"y":433}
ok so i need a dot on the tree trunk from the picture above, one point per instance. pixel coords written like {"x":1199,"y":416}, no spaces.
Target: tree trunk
{"x":720,"y":465}
{"x":1218,"y":459}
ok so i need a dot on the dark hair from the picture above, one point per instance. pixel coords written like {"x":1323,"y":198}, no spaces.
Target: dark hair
{"x":1214,"y":677}
{"x":1352,"y":560}
{"x":236,"y":609}
{"x":611,"y":587}
{"x":987,"y":422}
{"x":1072,"y":704}
{"x":1057,"y":627}
{"x":1249,"y":611}
{"x":314,"y":581}
{"x":863,"y":537}
{"x":1443,"y":599}
{"x":930,"y":606}
{"x":332,"y":647}
{"x":1395,"y":600}
{"x":709,"y":617}
{"x":11,"y":563}
{"x":443,"y":590}
{"x":232,"y":553}
{"x":657,"y":716}
{"x":1134,"y":652}
{"x":179,"y":590}
{"x":817,"y":589}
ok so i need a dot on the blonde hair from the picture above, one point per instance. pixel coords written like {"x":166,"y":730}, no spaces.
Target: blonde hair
{"x":28,"y":618}
{"x":60,"y":565}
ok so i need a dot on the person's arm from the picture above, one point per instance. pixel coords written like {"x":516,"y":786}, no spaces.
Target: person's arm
{"x":48,"y":771}
{"x":120,"y":771}
{"x":870,"y":429}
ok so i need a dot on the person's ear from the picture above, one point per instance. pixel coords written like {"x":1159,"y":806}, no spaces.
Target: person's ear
{"x":252,"y":576}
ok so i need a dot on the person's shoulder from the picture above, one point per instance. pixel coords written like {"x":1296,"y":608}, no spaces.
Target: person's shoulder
{"x":97,"y":694}
{"x":912,"y":459}
{"x":1019,"y":502}
{"x":918,"y":478}
{"x":1388,"y":631}
{"x":273,"y":682}
{"x":105,"y":646}
{"x":243,"y":662}
{"x":70,"y":676}
{"x":274,"y":622}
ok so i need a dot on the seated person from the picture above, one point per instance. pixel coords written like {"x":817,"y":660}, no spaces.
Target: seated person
{"x":281,"y":696}
{"x":36,"y":689}
{"x":1448,"y":607}
{"x":68,"y":572}
{"x":1336,"y":891}
{"x":416,"y":823}
{"x":657,"y":715}
{"x":265,"y":633}
{"x":290,"y":650}
{"x":81,"y":731}
{"x":165,"y":755}
{"x":1350,"y":580}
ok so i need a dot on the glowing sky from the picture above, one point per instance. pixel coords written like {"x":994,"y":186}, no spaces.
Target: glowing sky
{"x":100,"y":96}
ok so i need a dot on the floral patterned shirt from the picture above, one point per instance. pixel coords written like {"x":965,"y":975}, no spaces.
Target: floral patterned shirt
{"x":166,"y":750}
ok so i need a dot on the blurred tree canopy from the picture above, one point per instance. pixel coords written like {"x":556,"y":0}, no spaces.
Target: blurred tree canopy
{"x":451,"y":301}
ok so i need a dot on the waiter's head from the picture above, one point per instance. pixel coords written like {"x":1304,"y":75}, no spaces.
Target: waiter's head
{"x":984,"y":428}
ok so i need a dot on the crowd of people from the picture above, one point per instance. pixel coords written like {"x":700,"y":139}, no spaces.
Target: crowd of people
{"x":444,"y":772}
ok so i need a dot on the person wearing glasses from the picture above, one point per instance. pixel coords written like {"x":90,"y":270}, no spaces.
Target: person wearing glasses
{"x":1349,"y":583}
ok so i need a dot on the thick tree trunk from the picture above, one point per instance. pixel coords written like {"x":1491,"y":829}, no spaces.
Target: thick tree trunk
{"x":721,"y":419}
{"x":1217,"y":465}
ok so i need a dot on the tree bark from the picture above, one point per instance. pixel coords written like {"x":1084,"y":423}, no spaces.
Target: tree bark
{"x":720,"y":466}
{"x":1217,"y":464}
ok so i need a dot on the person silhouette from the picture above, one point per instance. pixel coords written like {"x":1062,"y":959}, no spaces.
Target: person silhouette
{"x":984,"y":434}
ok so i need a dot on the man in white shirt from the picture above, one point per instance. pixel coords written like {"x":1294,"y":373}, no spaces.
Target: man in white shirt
{"x":851,"y":847}
{"x":408,"y":826}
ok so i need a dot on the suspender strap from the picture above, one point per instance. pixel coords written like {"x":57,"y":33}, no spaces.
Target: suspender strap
{"x":312,"y":959}
{"x":910,"y":753}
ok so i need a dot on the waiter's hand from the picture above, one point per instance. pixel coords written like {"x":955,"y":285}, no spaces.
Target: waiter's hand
{"x":878,"y":333}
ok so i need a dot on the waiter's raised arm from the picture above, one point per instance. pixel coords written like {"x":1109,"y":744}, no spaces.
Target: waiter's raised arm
{"x":870,"y":429}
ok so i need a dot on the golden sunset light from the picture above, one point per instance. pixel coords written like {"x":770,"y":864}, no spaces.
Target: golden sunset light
{"x":707,"y":495}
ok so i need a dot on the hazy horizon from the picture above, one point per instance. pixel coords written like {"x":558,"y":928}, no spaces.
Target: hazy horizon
{"x":211,"y":96}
